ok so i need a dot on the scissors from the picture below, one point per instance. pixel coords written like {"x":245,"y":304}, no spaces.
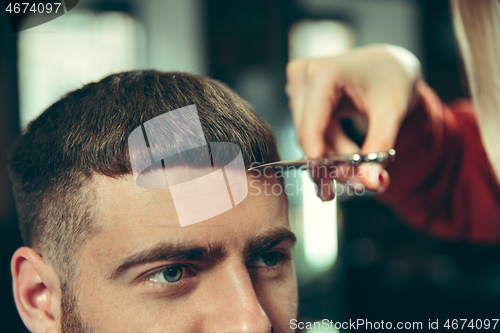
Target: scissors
{"x":384,"y":157}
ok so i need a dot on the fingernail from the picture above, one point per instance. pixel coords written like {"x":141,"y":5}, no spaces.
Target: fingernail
{"x":324,"y":197}
{"x":319,"y":193}
{"x":326,"y":193}
{"x":376,"y":176}
{"x":383,"y":178}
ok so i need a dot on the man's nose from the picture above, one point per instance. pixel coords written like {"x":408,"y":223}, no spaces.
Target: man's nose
{"x":235,"y":306}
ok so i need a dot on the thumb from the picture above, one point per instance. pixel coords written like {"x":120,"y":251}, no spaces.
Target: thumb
{"x":383,"y":129}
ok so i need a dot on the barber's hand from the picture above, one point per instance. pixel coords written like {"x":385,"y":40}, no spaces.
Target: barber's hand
{"x":375,"y":83}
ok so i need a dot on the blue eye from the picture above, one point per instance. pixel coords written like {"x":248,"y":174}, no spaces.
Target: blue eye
{"x":169,"y":274}
{"x":173,"y":274}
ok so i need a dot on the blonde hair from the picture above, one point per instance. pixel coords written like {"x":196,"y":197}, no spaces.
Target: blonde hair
{"x":477,"y":28}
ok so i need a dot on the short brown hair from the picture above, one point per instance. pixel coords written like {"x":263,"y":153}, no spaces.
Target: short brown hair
{"x":86,"y":133}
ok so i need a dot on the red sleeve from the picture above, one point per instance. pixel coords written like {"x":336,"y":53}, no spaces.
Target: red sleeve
{"x":441,"y":180}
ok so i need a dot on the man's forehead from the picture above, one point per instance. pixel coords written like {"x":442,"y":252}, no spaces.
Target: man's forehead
{"x":120,"y":203}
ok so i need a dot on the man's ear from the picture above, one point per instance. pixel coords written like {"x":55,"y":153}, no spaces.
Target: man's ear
{"x":37,"y":291}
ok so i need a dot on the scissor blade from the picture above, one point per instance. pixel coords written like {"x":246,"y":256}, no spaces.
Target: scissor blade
{"x":354,"y":159}
{"x":289,"y":164}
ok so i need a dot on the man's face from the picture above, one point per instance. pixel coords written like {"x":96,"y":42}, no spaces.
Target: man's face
{"x":144,"y":273}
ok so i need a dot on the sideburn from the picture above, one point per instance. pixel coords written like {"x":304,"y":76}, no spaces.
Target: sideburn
{"x":71,"y":321}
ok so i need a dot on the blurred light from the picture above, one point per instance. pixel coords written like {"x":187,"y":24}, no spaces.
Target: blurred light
{"x":321,"y":38}
{"x":308,"y":38}
{"x":320,"y":227}
{"x":70,"y":51}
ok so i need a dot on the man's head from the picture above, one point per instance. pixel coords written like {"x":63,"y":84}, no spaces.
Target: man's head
{"x":103,"y":254}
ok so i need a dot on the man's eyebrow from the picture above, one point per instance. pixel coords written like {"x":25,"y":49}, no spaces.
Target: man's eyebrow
{"x":260,"y":244}
{"x":211,"y":254}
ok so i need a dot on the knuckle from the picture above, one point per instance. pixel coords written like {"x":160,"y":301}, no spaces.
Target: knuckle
{"x":307,"y":136}
{"x":301,"y":136}
{"x":384,"y":143}
{"x":293,"y":68}
{"x":313,"y":69}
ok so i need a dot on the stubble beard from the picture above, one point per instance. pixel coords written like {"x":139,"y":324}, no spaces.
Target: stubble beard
{"x":71,"y":320}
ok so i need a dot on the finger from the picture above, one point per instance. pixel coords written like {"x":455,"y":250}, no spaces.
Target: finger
{"x":324,"y":188}
{"x":295,"y":88}
{"x":373,"y":177}
{"x":383,"y":127}
{"x":337,"y":143}
{"x":336,"y":140}
{"x":320,"y":100}
{"x":369,"y":176}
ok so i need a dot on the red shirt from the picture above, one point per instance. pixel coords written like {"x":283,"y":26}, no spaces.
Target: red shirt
{"x":441,"y":180}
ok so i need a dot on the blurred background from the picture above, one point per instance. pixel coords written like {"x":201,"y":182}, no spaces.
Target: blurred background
{"x":355,"y":258}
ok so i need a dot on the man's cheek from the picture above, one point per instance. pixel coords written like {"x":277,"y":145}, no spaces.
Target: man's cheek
{"x":139,"y":315}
